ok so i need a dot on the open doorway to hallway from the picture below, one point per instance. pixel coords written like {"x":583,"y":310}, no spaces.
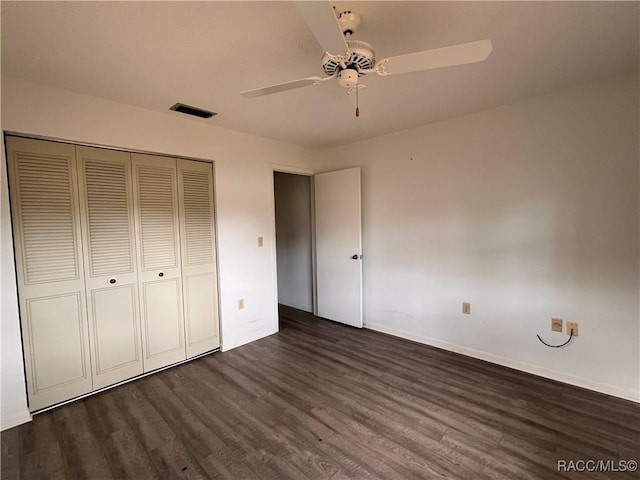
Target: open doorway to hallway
{"x":294,"y":240}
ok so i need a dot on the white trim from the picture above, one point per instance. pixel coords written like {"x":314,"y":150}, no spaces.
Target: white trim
{"x":293,"y":169}
{"x":250,"y":338}
{"x":600,"y":387}
{"x":314,"y":291}
{"x":216,"y":244}
{"x":104,"y":147}
{"x":274,"y":255}
{"x":314,"y":263}
{"x":15,"y":420}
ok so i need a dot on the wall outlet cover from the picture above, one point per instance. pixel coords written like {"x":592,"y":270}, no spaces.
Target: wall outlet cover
{"x":572,"y":326}
{"x":556,"y":325}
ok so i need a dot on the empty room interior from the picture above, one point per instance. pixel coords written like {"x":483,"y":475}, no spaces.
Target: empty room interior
{"x":320,"y":240}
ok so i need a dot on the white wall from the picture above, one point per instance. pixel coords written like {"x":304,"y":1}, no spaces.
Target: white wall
{"x":244,"y":204}
{"x":528,"y":211}
{"x":293,"y":240}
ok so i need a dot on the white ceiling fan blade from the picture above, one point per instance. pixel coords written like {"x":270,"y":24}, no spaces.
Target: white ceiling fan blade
{"x":282,"y":87}
{"x":471,"y":52}
{"x":322,"y":21}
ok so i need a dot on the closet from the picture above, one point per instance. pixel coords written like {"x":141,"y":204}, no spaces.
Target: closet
{"x":116,"y":266}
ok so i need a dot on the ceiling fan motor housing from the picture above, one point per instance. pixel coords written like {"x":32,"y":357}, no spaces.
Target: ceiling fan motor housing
{"x":349,"y":22}
{"x":361,"y":57}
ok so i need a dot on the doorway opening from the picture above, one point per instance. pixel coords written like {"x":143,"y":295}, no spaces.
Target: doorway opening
{"x":294,"y":240}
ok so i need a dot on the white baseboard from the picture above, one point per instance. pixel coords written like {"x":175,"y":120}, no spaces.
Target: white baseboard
{"x":515,"y":364}
{"x":15,"y":420}
{"x":226,"y":346}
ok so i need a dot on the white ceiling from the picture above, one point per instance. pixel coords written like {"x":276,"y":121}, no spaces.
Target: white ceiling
{"x":154,"y":54}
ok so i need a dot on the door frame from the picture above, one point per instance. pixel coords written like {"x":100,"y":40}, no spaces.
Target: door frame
{"x":304,"y":172}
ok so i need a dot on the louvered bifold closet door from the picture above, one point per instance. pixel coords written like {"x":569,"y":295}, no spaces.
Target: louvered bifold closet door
{"x":46,"y":222}
{"x":199,"y":279}
{"x":159,"y":272}
{"x":106,"y":191}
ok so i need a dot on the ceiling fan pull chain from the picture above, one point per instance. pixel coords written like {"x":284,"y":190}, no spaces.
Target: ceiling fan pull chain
{"x":357,"y":104}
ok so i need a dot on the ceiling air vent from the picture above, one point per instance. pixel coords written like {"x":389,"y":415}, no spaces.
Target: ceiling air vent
{"x":189,"y":110}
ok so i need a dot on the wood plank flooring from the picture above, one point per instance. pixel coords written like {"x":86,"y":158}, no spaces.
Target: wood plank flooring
{"x":320,"y":400}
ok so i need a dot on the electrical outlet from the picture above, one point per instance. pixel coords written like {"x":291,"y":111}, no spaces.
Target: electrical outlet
{"x":572,"y":326}
{"x":466,"y":308}
{"x":241,"y":304}
{"x":556,"y":325}
{"x":260,"y":242}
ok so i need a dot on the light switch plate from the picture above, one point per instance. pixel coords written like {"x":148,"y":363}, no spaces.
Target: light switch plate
{"x":466,"y":308}
{"x":556,"y":325}
{"x":260,"y":241}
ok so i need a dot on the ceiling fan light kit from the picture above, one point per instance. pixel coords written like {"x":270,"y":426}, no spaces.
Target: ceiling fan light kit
{"x":347,"y":59}
{"x":348,"y":78}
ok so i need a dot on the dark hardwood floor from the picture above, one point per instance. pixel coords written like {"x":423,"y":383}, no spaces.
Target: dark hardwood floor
{"x":320,"y":400}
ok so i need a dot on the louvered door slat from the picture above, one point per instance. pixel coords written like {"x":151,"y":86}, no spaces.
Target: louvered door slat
{"x":108,"y":217}
{"x":44,"y":184}
{"x":157,"y":204}
{"x":199,"y":274}
{"x":198,"y":217}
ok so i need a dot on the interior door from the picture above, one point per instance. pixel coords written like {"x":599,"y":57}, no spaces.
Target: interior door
{"x":110,"y":264}
{"x":338,"y":232}
{"x":159,"y":271}
{"x":199,"y":278}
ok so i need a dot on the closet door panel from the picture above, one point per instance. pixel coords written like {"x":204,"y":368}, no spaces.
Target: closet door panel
{"x":56,"y":323}
{"x":116,"y":335}
{"x":159,"y":269}
{"x":163,"y":317}
{"x":46,"y":223}
{"x":111,"y":274}
{"x":195,"y":191}
{"x":201,"y":310}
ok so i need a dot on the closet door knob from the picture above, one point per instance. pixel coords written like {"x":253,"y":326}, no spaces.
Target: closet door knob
{"x":112,"y":281}
{"x":161,"y":274}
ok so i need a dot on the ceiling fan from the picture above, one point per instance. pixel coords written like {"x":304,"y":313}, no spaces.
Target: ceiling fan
{"x":348,"y":60}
